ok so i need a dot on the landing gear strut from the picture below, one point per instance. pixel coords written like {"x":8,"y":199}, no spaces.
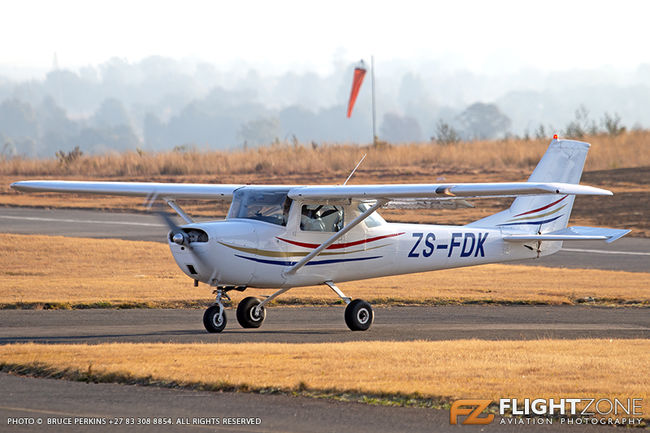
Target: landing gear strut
{"x":251,"y":312}
{"x":358,"y":313}
{"x":214,"y":318}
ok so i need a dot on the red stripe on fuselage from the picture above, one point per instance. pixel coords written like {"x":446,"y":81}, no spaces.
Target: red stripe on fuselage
{"x":338,"y":246}
{"x":542,"y":208}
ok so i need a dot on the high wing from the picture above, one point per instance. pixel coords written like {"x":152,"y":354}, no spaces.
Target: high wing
{"x":447,"y":191}
{"x":137,"y":189}
{"x":324,"y":192}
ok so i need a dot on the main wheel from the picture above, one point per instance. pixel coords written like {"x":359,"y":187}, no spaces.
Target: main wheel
{"x":247,"y":315}
{"x":359,"y":315}
{"x":214,"y":319}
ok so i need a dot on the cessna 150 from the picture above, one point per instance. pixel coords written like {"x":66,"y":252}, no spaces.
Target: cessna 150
{"x":285,"y":236}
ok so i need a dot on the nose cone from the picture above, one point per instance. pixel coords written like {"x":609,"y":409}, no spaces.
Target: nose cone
{"x":178,"y":238}
{"x":191,"y":249}
{"x":212,"y":251}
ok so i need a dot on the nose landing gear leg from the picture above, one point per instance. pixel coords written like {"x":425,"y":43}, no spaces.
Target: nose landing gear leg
{"x":214,"y":318}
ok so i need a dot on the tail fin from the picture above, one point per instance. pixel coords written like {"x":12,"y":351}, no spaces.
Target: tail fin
{"x":562,"y":162}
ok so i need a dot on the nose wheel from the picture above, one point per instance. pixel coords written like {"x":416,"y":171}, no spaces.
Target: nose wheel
{"x":214,"y":318}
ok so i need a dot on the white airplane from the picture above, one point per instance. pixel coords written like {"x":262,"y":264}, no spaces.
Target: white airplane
{"x":284,"y":236}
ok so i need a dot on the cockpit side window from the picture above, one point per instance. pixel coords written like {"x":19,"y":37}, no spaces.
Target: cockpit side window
{"x":271,"y":206}
{"x":321,"y":218}
{"x":373,"y":220}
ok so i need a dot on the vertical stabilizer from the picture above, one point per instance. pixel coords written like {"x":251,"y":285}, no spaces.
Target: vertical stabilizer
{"x":562,"y":162}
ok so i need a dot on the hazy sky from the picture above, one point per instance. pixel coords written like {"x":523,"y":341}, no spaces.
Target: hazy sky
{"x":485,"y":36}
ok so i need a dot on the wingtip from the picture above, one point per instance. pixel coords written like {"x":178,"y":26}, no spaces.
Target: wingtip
{"x":580,"y":190}
{"x":616,"y":237}
{"x":603,"y":191}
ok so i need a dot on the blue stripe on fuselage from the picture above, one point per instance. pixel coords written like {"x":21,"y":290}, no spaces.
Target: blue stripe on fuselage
{"x":319,"y":262}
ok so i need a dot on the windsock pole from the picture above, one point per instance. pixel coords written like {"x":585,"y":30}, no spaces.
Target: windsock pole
{"x":372,"y":78}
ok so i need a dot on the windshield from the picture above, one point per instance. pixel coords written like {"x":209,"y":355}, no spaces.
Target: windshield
{"x":271,"y":206}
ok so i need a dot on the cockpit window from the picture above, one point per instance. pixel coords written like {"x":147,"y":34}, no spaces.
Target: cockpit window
{"x":271,"y":206}
{"x":373,"y":219}
{"x":321,"y":218}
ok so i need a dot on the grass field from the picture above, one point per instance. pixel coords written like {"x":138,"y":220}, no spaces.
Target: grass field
{"x":607,"y":152}
{"x":37,"y":270}
{"x":440,"y":370}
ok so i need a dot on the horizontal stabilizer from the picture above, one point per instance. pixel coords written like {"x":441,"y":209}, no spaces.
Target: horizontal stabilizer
{"x":571,"y":234}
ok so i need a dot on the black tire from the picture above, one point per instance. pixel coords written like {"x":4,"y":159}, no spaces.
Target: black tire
{"x":214,"y":319}
{"x":246,"y":313}
{"x":359,"y":315}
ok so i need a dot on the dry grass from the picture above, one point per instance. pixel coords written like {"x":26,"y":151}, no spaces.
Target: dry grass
{"x":626,"y":150}
{"x":41,"y":269}
{"x":595,"y":368}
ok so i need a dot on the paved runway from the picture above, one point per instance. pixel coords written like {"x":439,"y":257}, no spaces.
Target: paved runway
{"x":325,"y":324}
{"x":82,"y":223}
{"x":626,"y":254}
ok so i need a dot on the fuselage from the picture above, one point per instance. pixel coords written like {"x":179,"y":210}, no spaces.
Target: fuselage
{"x":254,"y":253}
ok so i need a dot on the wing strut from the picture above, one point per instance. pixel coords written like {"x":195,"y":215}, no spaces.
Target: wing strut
{"x":336,"y":236}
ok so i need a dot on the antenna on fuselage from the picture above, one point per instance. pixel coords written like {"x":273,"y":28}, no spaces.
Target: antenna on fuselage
{"x":355,"y":168}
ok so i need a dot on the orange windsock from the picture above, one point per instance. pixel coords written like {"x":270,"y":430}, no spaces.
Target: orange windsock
{"x":359,"y":73}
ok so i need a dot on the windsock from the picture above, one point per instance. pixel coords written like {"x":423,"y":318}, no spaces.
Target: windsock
{"x":359,"y":73}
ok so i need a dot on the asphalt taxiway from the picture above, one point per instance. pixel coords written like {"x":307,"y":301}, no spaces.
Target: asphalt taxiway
{"x":325,"y":324}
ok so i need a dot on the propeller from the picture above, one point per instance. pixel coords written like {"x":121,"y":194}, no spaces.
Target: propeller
{"x":177,"y":235}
